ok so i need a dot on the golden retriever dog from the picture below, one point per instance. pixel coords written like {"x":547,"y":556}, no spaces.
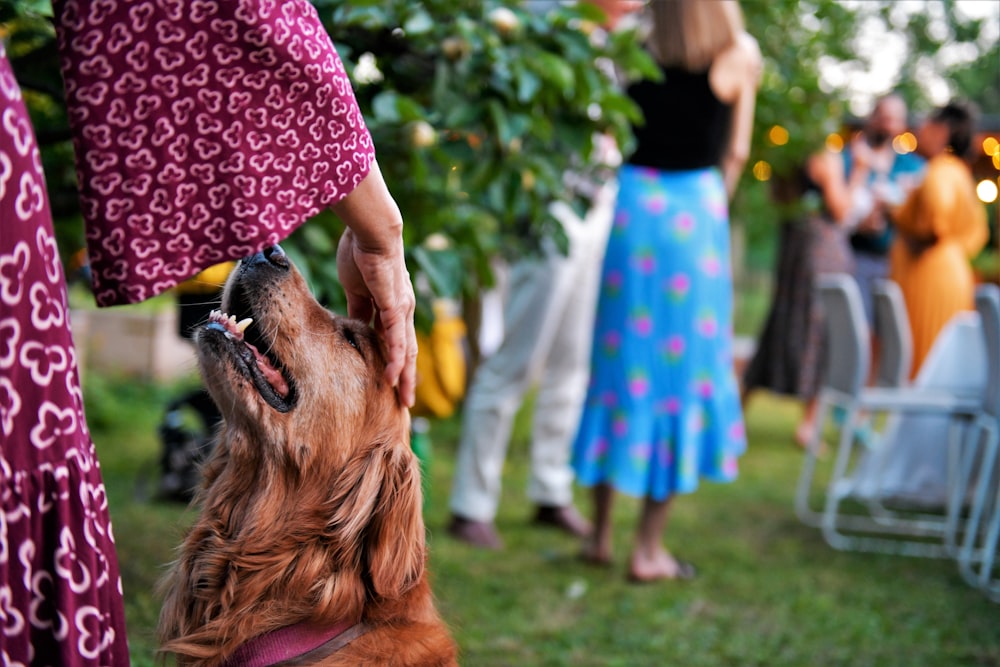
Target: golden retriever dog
{"x":309,"y":544}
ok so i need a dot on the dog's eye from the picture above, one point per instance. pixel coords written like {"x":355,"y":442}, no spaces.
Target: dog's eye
{"x":352,"y":339}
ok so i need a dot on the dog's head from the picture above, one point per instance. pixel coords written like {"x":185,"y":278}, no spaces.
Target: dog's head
{"x":284,"y":370}
{"x":312,"y":496}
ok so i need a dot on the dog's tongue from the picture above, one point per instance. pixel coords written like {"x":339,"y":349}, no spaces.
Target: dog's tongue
{"x":270,"y":373}
{"x":235,"y":330}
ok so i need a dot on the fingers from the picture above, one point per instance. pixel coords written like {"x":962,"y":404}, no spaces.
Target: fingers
{"x":399,"y":337}
{"x":379,"y":292}
{"x":401,"y":367}
{"x":395,"y":327}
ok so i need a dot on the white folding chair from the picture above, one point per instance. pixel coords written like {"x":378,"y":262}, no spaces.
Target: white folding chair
{"x":895,"y":340}
{"x":895,"y":360}
{"x":977,"y":556}
{"x":845,"y":373}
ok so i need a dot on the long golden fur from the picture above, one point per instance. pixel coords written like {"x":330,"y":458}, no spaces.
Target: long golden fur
{"x":310,"y":509}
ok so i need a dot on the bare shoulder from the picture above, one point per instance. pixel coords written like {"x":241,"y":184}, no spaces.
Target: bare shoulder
{"x":749,"y":49}
{"x":736,"y":68}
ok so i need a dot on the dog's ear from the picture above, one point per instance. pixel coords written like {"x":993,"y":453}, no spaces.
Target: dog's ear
{"x":378,"y":523}
{"x":394,"y":542}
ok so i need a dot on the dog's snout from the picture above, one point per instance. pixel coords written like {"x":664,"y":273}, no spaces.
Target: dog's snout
{"x":272,"y":255}
{"x":275,"y":255}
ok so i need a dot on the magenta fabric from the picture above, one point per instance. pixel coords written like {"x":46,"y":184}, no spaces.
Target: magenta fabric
{"x":204,"y":132}
{"x":284,"y":644}
{"x":60,"y":589}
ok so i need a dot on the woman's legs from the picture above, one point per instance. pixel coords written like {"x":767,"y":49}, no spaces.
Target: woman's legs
{"x":650,"y":559}
{"x":597,"y":548}
{"x":807,"y":425}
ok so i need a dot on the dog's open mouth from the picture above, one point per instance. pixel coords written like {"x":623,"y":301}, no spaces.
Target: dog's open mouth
{"x":263,"y":369}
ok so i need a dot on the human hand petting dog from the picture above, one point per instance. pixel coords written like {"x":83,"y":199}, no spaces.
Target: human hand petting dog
{"x":372,"y":270}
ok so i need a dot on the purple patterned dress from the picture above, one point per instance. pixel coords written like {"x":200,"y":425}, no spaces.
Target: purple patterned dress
{"x":60,"y":591}
{"x":204,"y":131}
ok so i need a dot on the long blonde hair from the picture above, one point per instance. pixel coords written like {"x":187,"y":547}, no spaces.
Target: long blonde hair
{"x":691,"y":33}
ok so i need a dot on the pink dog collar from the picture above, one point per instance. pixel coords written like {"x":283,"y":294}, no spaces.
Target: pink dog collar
{"x":297,"y":644}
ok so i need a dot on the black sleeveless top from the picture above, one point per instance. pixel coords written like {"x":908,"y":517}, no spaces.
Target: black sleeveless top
{"x":687,"y":127}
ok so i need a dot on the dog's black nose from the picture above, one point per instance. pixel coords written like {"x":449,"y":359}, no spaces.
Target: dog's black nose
{"x":273,"y":255}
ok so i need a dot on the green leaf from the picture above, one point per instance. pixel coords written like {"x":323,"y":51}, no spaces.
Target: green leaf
{"x":554,"y":70}
{"x":420,"y":23}
{"x":527,"y":84}
{"x":317,"y":239}
{"x":408,"y":109}
{"x":440,"y":269}
{"x":499,"y":117}
{"x":385,"y":107}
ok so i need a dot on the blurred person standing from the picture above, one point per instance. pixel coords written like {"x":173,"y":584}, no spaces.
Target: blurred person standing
{"x":941,"y":227}
{"x":884,"y":178}
{"x":788,"y":358}
{"x":662,"y":408}
{"x":548,"y":312}
{"x":548,"y":315}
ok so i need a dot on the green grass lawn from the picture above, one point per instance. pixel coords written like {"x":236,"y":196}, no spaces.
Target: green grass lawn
{"x":770,"y":591}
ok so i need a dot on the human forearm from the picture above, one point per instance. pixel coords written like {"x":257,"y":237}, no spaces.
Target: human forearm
{"x":732,"y":169}
{"x":372,"y":214}
{"x":738,"y":150}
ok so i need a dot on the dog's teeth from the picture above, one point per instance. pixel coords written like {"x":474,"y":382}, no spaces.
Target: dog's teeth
{"x":242,"y":325}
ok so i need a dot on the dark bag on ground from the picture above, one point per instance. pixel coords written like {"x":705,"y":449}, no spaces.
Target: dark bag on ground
{"x":186,"y":435}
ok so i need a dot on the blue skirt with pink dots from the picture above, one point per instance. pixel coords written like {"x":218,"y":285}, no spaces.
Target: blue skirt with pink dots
{"x":662,"y":408}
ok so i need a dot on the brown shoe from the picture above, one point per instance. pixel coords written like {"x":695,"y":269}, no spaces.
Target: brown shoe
{"x":479,"y":534}
{"x":564,"y":518}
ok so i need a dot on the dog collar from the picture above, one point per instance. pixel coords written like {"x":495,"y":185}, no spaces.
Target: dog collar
{"x":299,"y":644}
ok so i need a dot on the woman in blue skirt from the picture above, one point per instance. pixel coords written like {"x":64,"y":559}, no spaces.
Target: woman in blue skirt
{"x":663,"y":407}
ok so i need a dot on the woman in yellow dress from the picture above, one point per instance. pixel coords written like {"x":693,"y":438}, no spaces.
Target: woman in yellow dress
{"x":941,"y":226}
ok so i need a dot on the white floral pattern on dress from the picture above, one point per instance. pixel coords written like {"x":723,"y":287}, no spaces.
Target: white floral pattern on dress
{"x":204,"y":132}
{"x":60,"y":589}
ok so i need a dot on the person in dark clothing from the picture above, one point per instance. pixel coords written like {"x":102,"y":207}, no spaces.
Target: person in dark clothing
{"x":789,"y":353}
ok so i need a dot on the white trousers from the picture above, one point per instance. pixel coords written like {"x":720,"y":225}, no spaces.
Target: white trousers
{"x":548,"y":326}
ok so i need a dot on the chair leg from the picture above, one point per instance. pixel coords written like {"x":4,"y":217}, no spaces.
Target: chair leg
{"x":989,"y":551}
{"x":961,"y":461}
{"x":872,"y":533}
{"x":828,"y":520}
{"x":982,"y":513}
{"x":805,"y":513}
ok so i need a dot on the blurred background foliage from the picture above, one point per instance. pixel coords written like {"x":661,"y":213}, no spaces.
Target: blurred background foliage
{"x":799,"y":39}
{"x":477,"y":110}
{"x":478,"y":107}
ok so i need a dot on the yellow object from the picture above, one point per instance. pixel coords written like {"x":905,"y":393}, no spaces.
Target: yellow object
{"x":441,"y":363}
{"x":208,"y":281}
{"x":936,"y":277}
